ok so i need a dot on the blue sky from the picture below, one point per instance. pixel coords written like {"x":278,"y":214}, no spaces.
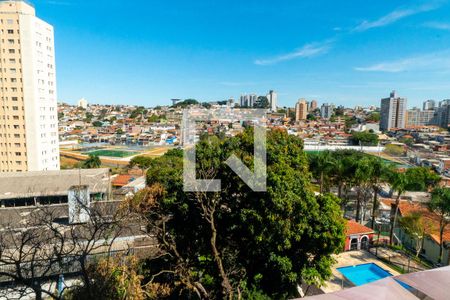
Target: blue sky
{"x":348,"y":52}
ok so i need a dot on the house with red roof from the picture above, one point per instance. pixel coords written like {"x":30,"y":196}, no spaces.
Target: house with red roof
{"x":431,"y":243}
{"x":358,"y":236}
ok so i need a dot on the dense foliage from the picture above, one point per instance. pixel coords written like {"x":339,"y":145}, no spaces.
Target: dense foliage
{"x":237,"y":241}
{"x":364,"y":138}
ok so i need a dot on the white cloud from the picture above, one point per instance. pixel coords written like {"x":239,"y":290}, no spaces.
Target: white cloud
{"x":433,"y":61}
{"x":438,"y":25}
{"x":395,"y":16}
{"x":308,"y":50}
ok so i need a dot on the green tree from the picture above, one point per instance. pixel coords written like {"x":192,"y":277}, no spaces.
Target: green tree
{"x":362,"y":180}
{"x":364,"y":138}
{"x":373,"y":117}
{"x":399,"y":184}
{"x":237,"y":240}
{"x":310,"y":117}
{"x":349,"y":122}
{"x":262,"y":102}
{"x":186,"y":103}
{"x":381,"y":173}
{"x":322,"y":165}
{"x":440,"y":205}
{"x":97,"y":124}
{"x":421,"y":179}
{"x":140,"y":161}
{"x":110,"y":279}
{"x":416,"y":227}
{"x":93,"y":162}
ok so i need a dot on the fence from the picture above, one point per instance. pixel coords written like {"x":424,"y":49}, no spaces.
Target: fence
{"x":403,"y":261}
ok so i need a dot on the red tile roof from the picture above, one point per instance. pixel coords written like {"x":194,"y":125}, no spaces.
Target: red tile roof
{"x":356,"y":228}
{"x":406,"y":208}
{"x":122,"y":180}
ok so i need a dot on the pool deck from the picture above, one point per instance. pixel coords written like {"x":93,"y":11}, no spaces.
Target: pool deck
{"x":337,"y":281}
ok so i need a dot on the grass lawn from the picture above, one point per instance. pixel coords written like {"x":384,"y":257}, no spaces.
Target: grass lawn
{"x":112,"y":153}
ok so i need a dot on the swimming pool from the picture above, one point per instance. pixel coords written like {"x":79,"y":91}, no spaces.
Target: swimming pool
{"x":365,"y":273}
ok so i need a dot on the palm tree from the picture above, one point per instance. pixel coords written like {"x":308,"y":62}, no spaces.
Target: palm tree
{"x":399,"y":184}
{"x":361,"y":178}
{"x":440,"y":204}
{"x":381,"y":173}
{"x":322,"y":165}
{"x":93,"y":162}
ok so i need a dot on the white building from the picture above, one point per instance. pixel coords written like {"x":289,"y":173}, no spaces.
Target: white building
{"x":248,"y":100}
{"x":429,"y":105}
{"x":393,"y":112}
{"x":83,"y":103}
{"x":326,"y":110}
{"x":28,"y":114}
{"x":273,"y":98}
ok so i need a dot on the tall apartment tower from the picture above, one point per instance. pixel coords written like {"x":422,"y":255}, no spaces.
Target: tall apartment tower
{"x":28,"y":110}
{"x":393,"y":112}
{"x":313,"y":105}
{"x":301,"y":110}
{"x":326,"y":110}
{"x":272,"y":97}
{"x":429,"y":105}
{"x":248,"y":100}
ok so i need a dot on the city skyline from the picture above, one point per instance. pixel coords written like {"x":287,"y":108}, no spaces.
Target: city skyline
{"x":351,"y":55}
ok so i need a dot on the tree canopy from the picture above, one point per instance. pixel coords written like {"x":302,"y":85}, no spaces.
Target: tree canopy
{"x":364,"y":138}
{"x":237,"y":240}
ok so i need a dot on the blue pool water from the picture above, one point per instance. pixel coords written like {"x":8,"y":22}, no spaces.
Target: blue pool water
{"x":365,"y":273}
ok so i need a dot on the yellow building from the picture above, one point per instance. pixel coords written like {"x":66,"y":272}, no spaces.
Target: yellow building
{"x":301,"y":110}
{"x":28,"y":110}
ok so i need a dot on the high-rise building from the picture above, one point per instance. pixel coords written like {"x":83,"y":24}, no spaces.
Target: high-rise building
{"x":429,"y":105}
{"x":301,"y":110}
{"x":393,"y":112}
{"x":442,"y":114}
{"x":272,"y":97}
{"x":313,"y":105}
{"x":28,"y":113}
{"x":326,"y":110}
{"x":444,"y":102}
{"x":84,"y":104}
{"x":417,"y":117}
{"x":248,"y":100}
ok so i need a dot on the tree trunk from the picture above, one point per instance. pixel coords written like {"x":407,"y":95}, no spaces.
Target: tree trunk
{"x":321,"y":182}
{"x":38,"y":293}
{"x":375,"y":203}
{"x":441,"y":237}
{"x":394,"y":220}
{"x":226,"y":285}
{"x":358,"y":205}
{"x":418,"y":246}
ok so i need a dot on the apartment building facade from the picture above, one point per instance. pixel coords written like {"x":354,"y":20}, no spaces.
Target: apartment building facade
{"x":393,"y":112}
{"x":301,"y":110}
{"x":28,"y":109}
{"x":416,"y":117}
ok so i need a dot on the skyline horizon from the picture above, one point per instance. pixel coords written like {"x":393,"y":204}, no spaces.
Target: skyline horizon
{"x":236,"y":100}
{"x":349,"y":54}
